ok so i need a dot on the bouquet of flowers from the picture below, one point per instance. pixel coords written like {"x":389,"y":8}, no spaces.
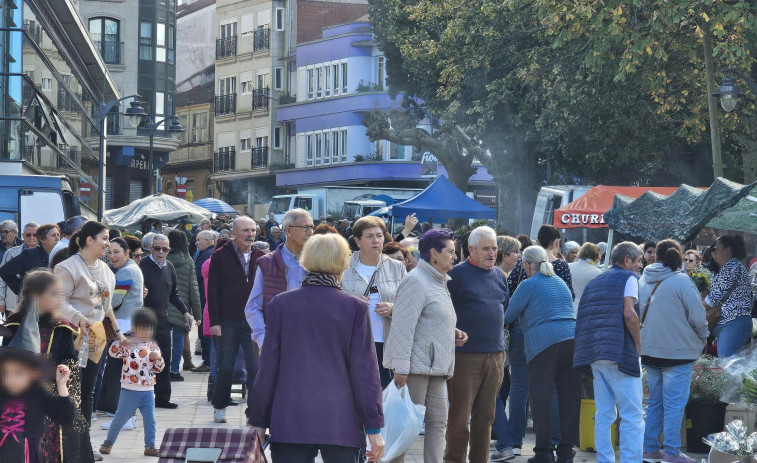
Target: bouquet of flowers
{"x":708,"y":380}
{"x":702,"y":279}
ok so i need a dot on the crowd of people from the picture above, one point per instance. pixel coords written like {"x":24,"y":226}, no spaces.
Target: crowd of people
{"x":325,"y":314}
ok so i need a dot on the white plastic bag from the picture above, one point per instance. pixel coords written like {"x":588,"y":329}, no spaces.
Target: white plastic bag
{"x":402,"y":421}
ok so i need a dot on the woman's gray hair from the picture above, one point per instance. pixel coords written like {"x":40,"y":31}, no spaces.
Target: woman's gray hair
{"x":537,"y":255}
{"x":507,"y":245}
{"x":623,"y":250}
{"x":474,"y":239}
{"x":293,"y":216}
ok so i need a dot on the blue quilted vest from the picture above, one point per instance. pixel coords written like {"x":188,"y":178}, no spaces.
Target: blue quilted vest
{"x":600,"y":328}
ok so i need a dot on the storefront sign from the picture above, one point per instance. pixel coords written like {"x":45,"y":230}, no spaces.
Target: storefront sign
{"x":582,"y":219}
{"x":140,"y":164}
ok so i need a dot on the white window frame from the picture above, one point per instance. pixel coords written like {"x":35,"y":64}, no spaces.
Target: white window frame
{"x":278,"y":137}
{"x":327,"y":80}
{"x":47,"y":84}
{"x":310,"y":82}
{"x":309,"y":149}
{"x":245,"y":144}
{"x":279,"y":19}
{"x":278,"y":78}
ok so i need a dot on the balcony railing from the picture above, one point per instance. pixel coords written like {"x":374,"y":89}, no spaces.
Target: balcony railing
{"x":223,"y":160}
{"x":260,"y":99}
{"x":110,"y":50}
{"x":226,"y":104}
{"x":262,"y":40}
{"x":226,"y":47}
{"x":259,"y":157}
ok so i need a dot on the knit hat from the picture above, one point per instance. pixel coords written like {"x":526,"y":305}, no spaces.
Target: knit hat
{"x":25,"y":345}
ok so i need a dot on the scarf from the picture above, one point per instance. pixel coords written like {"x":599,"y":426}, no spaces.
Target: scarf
{"x":321,"y":279}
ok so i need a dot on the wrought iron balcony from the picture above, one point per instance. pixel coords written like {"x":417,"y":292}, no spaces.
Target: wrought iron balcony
{"x":260,"y":99}
{"x":226,"y":47}
{"x":259,"y":157}
{"x":111,"y":51}
{"x":262,"y":39}
{"x":223,"y":160}
{"x":226,"y":104}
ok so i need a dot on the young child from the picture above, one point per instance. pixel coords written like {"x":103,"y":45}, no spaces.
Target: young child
{"x":141,"y":363}
{"x":24,"y":403}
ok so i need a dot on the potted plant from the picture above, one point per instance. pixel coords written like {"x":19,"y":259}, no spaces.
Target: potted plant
{"x":705,"y":413}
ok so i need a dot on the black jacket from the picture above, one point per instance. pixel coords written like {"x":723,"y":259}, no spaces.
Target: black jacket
{"x":14,"y":270}
{"x":161,"y":287}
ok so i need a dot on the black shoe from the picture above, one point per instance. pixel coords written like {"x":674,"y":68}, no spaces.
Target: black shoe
{"x":204,"y":368}
{"x":169,"y":405}
{"x":232,"y":403}
{"x":544,"y":458}
{"x":176,"y":377}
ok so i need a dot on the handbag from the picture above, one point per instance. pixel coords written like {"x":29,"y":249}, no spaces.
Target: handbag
{"x":110,"y":330}
{"x":713,"y":313}
{"x":646,"y":307}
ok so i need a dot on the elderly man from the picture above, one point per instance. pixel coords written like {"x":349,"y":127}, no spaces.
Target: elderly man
{"x":30,"y":258}
{"x":270,"y":223}
{"x":275,"y":240}
{"x":279,"y":271}
{"x":205,"y":243}
{"x":70,"y":228}
{"x":160,"y":281}
{"x":608,"y":346}
{"x":479,"y":294}
{"x":8,"y":236}
{"x":344,"y":228}
{"x":230,"y":279}
{"x":9,"y":299}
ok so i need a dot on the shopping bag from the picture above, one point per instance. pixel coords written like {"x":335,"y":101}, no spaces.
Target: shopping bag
{"x":403,"y":421}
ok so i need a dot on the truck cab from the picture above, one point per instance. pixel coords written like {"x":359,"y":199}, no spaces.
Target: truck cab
{"x":37,"y":198}
{"x":361,"y":208}
{"x":551,"y":198}
{"x":280,"y":204}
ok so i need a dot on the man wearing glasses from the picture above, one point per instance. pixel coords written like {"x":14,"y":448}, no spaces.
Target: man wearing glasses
{"x":8,"y":236}
{"x":160,"y":281}
{"x":9,"y":299}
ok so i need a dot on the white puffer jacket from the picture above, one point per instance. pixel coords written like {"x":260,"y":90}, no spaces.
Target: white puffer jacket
{"x":422,"y":339}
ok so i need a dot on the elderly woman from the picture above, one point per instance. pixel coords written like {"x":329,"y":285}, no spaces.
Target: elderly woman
{"x":544,"y":306}
{"x":571,"y":251}
{"x":420,"y":348}
{"x":396,"y":251}
{"x":729,"y":302}
{"x":691,"y":260}
{"x":319,"y":341}
{"x":375,"y":277}
{"x":674,"y":331}
{"x":583,"y":269}
{"x":508,"y":253}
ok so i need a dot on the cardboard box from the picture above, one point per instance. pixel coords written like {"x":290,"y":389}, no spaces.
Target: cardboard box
{"x":716,"y":456}
{"x":748,"y":417}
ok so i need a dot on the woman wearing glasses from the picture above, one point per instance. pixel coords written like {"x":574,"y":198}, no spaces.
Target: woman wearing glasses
{"x":691,"y":261}
{"x":374,"y":276}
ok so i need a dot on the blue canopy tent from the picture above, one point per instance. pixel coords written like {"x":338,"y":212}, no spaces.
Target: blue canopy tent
{"x":441,"y":201}
{"x":215,"y":205}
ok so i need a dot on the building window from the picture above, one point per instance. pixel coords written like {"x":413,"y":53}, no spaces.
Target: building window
{"x":309,"y":150}
{"x":160,"y":106}
{"x":278,"y":78}
{"x":335,"y":77}
{"x":381,"y":71}
{"x":245,"y":87}
{"x":279,"y":19}
{"x":47,"y":84}
{"x":319,"y":82}
{"x":277,"y":138}
{"x":229,"y":29}
{"x":199,"y":127}
{"x":318,"y":148}
{"x":145,"y":40}
{"x":160,"y":43}
{"x":245,"y":144}
{"x":327,"y":81}
{"x":246,"y":27}
{"x":326,"y":148}
{"x":227,"y":85}
{"x":106,"y":36}
{"x":344,"y":145}
{"x":344,"y":77}
{"x":311,"y":73}
{"x":171,"y":39}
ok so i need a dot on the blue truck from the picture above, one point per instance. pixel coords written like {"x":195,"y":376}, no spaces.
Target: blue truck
{"x":37,"y":198}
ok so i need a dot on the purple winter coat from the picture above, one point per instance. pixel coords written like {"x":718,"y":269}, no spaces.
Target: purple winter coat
{"x":318,"y":381}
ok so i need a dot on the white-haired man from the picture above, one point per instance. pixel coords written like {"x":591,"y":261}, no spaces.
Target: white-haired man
{"x":9,"y":299}
{"x":479,"y":294}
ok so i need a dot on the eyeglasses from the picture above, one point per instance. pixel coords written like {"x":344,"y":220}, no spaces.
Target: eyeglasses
{"x":160,"y":249}
{"x":7,"y":232}
{"x":305,"y":227}
{"x":29,"y":235}
{"x":689,"y":260}
{"x":137,"y":256}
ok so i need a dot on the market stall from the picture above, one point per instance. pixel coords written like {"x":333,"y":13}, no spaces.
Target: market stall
{"x":441,"y":201}
{"x":215,"y":205}
{"x":155,"y":207}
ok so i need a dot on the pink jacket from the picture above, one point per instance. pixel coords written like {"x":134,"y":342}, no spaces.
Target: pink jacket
{"x":205,"y":270}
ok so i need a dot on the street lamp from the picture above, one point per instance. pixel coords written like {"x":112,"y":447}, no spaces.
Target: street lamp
{"x":135,"y":114}
{"x":730,"y":93}
{"x":174,"y":129}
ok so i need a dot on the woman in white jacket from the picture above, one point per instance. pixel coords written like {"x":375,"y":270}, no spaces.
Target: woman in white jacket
{"x":673,"y":333}
{"x":421,"y":345}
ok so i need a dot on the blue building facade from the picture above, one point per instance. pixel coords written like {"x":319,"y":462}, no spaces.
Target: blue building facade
{"x":338,"y":79}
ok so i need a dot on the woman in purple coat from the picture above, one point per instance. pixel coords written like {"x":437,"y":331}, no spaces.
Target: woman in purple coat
{"x":318,"y":386}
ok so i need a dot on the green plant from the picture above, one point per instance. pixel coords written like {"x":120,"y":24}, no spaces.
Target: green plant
{"x":359,"y":158}
{"x":286,"y":98}
{"x":282,"y":166}
{"x":363,"y":86}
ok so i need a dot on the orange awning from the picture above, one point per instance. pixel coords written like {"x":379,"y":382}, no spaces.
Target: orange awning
{"x":588,"y":210}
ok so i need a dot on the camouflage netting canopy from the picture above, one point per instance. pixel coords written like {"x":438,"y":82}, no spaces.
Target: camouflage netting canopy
{"x":654,"y":217}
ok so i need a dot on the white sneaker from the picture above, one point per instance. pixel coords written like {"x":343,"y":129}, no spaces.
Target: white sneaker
{"x":505,"y":455}
{"x":130,"y":424}
{"x":516,"y":451}
{"x":219,"y":415}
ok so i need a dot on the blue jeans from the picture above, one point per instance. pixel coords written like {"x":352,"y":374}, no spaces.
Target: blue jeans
{"x":177,"y":347}
{"x":501,"y":426}
{"x":733,"y":335}
{"x":516,"y":429}
{"x":668,"y":394}
{"x":613,"y":387}
{"x":128,"y":403}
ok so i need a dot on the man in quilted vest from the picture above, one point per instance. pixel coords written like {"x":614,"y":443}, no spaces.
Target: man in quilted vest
{"x":608,"y":346}
{"x":279,"y":271}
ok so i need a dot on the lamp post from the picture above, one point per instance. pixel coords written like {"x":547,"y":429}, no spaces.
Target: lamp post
{"x":152,"y":127}
{"x":730,"y":93}
{"x":135,"y":112}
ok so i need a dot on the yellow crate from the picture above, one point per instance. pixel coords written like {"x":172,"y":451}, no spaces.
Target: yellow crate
{"x":586,"y":427}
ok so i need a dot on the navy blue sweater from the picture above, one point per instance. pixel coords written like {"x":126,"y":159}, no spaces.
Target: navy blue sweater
{"x":480,"y":298}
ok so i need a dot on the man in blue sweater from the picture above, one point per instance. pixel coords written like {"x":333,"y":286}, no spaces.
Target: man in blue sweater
{"x":479,"y":294}
{"x":608,"y":346}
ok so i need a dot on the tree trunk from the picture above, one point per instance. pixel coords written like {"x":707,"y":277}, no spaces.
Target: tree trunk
{"x":712,"y":102}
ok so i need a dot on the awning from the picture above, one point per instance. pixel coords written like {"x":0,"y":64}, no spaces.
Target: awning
{"x":588,"y":210}
{"x":215,"y":205}
{"x":741,"y":217}
{"x":156,"y":207}
{"x":442,"y":200}
{"x":654,"y":217}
